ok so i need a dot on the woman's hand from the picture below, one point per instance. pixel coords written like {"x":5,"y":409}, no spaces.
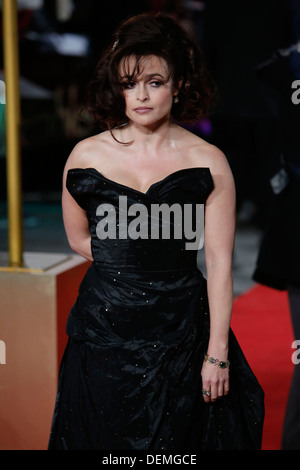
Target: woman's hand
{"x":215,"y":381}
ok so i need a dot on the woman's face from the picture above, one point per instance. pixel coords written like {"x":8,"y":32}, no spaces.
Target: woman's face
{"x":149,"y":93}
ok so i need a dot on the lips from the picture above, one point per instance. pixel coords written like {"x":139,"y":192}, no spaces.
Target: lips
{"x":142,"y":110}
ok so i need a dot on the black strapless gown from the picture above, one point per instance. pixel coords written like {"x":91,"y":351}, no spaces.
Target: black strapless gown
{"x":130,"y":377}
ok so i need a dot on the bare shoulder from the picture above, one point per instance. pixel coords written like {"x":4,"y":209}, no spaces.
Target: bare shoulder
{"x":213,"y":157}
{"x":204,"y":154}
{"x":89,"y":151}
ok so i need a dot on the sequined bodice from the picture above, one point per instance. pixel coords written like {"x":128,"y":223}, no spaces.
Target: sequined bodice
{"x":105,"y":201}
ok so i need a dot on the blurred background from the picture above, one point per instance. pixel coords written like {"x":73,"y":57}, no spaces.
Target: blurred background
{"x":248,"y":47}
{"x":59,"y":44}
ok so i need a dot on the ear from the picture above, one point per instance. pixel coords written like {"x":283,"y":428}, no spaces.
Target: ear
{"x":177,"y":87}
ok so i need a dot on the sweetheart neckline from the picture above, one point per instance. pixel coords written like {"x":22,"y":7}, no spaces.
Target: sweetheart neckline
{"x":163,"y":180}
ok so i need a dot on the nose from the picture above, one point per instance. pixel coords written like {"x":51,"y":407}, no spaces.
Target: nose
{"x":142,"y":93}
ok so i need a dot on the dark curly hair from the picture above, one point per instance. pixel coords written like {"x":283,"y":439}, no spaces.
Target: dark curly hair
{"x":144,"y":35}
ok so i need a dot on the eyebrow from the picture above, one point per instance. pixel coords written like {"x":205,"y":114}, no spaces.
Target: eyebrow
{"x":150,"y":75}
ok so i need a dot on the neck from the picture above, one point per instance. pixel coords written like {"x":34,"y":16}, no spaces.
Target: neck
{"x":149,"y":138}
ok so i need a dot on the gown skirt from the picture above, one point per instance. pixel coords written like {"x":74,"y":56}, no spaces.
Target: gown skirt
{"x":130,"y":376}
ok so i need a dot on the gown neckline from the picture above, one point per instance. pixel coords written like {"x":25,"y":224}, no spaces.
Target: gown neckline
{"x":144,"y":193}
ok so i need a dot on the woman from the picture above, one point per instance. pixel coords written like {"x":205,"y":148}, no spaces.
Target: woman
{"x":146,"y":366}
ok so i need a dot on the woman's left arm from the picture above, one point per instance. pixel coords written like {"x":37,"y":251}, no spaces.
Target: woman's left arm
{"x":219,"y":234}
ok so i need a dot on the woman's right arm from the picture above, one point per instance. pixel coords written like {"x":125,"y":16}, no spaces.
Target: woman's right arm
{"x":75,"y":219}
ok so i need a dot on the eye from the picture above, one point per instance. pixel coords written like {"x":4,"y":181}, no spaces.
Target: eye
{"x":155,"y":83}
{"x":128,"y":85}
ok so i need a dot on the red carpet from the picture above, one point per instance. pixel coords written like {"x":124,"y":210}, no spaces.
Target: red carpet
{"x":262,"y":325}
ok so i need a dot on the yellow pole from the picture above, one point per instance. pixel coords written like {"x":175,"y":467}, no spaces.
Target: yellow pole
{"x":11,"y":75}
